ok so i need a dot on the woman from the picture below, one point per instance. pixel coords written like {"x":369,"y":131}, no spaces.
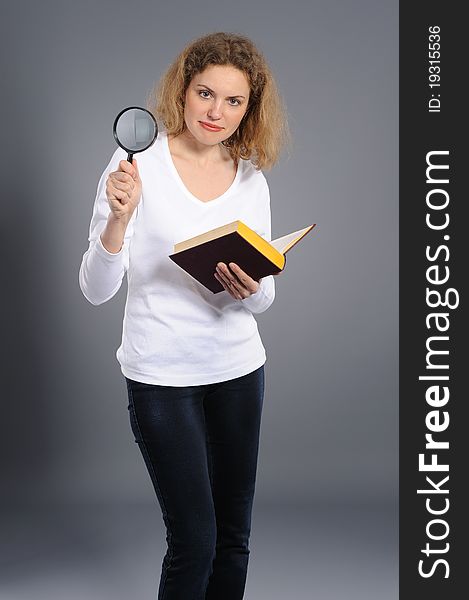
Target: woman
{"x":193,"y":361}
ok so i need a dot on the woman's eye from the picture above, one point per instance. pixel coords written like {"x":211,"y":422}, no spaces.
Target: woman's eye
{"x":207,"y":94}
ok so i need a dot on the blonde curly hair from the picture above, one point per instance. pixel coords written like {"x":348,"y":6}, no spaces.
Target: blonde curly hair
{"x":263,"y":131}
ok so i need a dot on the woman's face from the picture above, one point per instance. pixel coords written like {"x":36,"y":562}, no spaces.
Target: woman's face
{"x":219,"y":97}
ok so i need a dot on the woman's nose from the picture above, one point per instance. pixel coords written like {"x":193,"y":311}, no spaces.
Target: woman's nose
{"x":215,"y":109}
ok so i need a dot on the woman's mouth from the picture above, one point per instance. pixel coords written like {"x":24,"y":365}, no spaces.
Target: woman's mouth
{"x":210,"y":127}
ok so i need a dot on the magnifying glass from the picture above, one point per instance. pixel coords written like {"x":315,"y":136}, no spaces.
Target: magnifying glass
{"x":135,"y":130}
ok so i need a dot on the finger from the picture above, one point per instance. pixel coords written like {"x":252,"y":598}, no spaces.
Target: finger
{"x":225,"y":271}
{"x":222,"y":277}
{"x":234,"y":283}
{"x":118,"y":176}
{"x":228,"y":286}
{"x":114,"y":191}
{"x":125,"y":187}
{"x":242,"y":290}
{"x":119,"y":195}
{"x":126,"y":167}
{"x":134,"y":163}
{"x":248,"y":282}
{"x":225,"y":286}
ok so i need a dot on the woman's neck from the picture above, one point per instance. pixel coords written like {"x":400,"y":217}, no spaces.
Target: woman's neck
{"x":186,"y":146}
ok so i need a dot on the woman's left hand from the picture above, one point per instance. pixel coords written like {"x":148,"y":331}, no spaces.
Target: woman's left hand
{"x":235,"y":281}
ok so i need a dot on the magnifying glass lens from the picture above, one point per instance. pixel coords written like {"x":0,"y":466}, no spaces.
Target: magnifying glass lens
{"x":135,"y":130}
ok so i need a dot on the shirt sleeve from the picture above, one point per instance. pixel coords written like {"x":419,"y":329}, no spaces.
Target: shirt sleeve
{"x":263,"y":298}
{"x":101,"y":272}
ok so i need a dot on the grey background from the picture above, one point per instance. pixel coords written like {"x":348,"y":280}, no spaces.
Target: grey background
{"x":79,"y":514}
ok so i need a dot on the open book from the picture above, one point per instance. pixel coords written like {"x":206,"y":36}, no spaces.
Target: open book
{"x":237,"y":243}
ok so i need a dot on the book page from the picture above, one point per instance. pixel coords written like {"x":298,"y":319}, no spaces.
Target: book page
{"x":284,"y":243}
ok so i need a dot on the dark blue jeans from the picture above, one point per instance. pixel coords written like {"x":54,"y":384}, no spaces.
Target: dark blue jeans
{"x":200,"y":446}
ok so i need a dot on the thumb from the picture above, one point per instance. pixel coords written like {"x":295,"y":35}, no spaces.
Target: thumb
{"x":136,"y":175}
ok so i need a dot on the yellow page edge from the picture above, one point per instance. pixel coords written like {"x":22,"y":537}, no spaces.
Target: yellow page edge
{"x":262,"y":245}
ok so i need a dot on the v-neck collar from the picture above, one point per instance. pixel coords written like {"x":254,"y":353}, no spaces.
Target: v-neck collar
{"x":182,"y":185}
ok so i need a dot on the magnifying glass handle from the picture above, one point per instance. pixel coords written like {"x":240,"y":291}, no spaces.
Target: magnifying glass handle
{"x":129,"y":157}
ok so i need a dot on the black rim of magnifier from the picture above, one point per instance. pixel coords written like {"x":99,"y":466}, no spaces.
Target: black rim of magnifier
{"x":130,"y":153}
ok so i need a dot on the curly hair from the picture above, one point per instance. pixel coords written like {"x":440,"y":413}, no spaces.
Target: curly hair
{"x":263,"y":131}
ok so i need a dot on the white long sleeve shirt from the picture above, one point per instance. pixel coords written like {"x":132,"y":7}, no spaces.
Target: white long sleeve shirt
{"x":175,"y":331}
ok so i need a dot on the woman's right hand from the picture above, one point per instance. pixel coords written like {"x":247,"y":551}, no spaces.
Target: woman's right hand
{"x":123,"y":190}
